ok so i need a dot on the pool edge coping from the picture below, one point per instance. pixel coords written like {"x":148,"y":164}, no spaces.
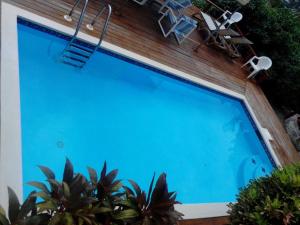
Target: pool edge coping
{"x":10,"y":98}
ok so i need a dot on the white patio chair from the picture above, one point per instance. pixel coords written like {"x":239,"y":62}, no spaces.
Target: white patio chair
{"x":230,"y":18}
{"x":140,"y":2}
{"x":258,"y":64}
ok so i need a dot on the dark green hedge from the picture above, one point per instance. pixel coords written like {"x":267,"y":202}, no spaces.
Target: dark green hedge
{"x":272,"y":200}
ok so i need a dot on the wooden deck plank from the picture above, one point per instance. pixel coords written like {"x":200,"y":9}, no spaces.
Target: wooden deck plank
{"x":263,"y":109}
{"x":137,"y":30}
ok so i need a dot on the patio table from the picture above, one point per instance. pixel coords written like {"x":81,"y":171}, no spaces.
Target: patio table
{"x":227,"y":37}
{"x":240,"y":41}
{"x":228,"y":32}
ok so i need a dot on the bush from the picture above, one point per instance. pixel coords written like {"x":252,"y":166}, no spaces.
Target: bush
{"x":272,"y":200}
{"x":275,"y":31}
{"x":77,"y":200}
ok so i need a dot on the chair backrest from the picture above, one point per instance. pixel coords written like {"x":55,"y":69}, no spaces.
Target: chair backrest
{"x":186,"y":25}
{"x":226,"y":15}
{"x":171,"y":17}
{"x":230,"y":18}
{"x":264,"y":62}
{"x":236,"y":17}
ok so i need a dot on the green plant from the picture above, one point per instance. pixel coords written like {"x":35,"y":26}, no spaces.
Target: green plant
{"x":271,"y":200}
{"x":106,"y":190}
{"x":25,"y":214}
{"x":155,"y":208}
{"x":199,"y":3}
{"x":76,"y":200}
{"x":67,"y":201}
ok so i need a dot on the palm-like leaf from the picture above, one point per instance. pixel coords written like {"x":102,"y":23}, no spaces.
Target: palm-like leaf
{"x":157,"y":207}
{"x":108,"y":186}
{"x":68,"y":199}
{"x":106,"y":189}
{"x":25,"y":214}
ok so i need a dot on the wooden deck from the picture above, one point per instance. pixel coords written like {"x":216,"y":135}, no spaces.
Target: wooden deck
{"x":206,"y":221}
{"x":137,"y":30}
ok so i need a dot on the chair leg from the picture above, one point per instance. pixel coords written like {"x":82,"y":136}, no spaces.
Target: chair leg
{"x":245,"y":64}
{"x":252,"y":74}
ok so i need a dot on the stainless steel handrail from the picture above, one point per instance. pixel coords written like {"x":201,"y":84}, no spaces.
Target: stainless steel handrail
{"x":90,"y":26}
{"x":75,"y":55}
{"x":80,"y":17}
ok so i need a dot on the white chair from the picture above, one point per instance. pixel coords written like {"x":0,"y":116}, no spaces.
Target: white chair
{"x":140,"y":2}
{"x":258,"y":64}
{"x":230,"y":18}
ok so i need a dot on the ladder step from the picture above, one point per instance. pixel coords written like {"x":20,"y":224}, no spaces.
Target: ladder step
{"x":72,"y":64}
{"x":74,"y":59}
{"x":78,"y":53}
{"x":81,"y":48}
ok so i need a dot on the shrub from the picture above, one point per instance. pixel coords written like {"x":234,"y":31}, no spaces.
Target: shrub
{"x":79,"y":200}
{"x":271,"y":200}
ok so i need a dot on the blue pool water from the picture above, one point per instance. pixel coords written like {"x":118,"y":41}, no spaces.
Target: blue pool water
{"x":138,"y":120}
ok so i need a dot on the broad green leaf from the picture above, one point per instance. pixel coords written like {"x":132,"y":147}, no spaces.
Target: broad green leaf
{"x":101,"y":210}
{"x":116,"y":186}
{"x":68,"y":172}
{"x":55,"y":185}
{"x":127,"y":203}
{"x":111,"y":176}
{"x":126,"y":214}
{"x":47,"y":205}
{"x":128,"y":191}
{"x":47,"y":172}
{"x":28,"y":205}
{"x":14,"y":205}
{"x":38,"y":219}
{"x":68,"y":219}
{"x":150,"y":190}
{"x":93,"y":175}
{"x":87,"y":220}
{"x":136,"y":187}
{"x":103,"y":171}
{"x":40,"y":186}
{"x":66,"y":190}
{"x":43,"y":195}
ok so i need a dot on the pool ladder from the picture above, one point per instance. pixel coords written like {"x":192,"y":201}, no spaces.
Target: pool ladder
{"x":75,"y":53}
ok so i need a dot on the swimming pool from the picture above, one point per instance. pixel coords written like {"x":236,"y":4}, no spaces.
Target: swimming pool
{"x":139,"y":119}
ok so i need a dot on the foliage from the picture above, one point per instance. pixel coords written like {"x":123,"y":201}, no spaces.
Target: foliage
{"x":199,"y":3}
{"x":79,"y":200}
{"x":25,"y":214}
{"x":157,"y":207}
{"x":272,"y":200}
{"x":275,"y":30}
